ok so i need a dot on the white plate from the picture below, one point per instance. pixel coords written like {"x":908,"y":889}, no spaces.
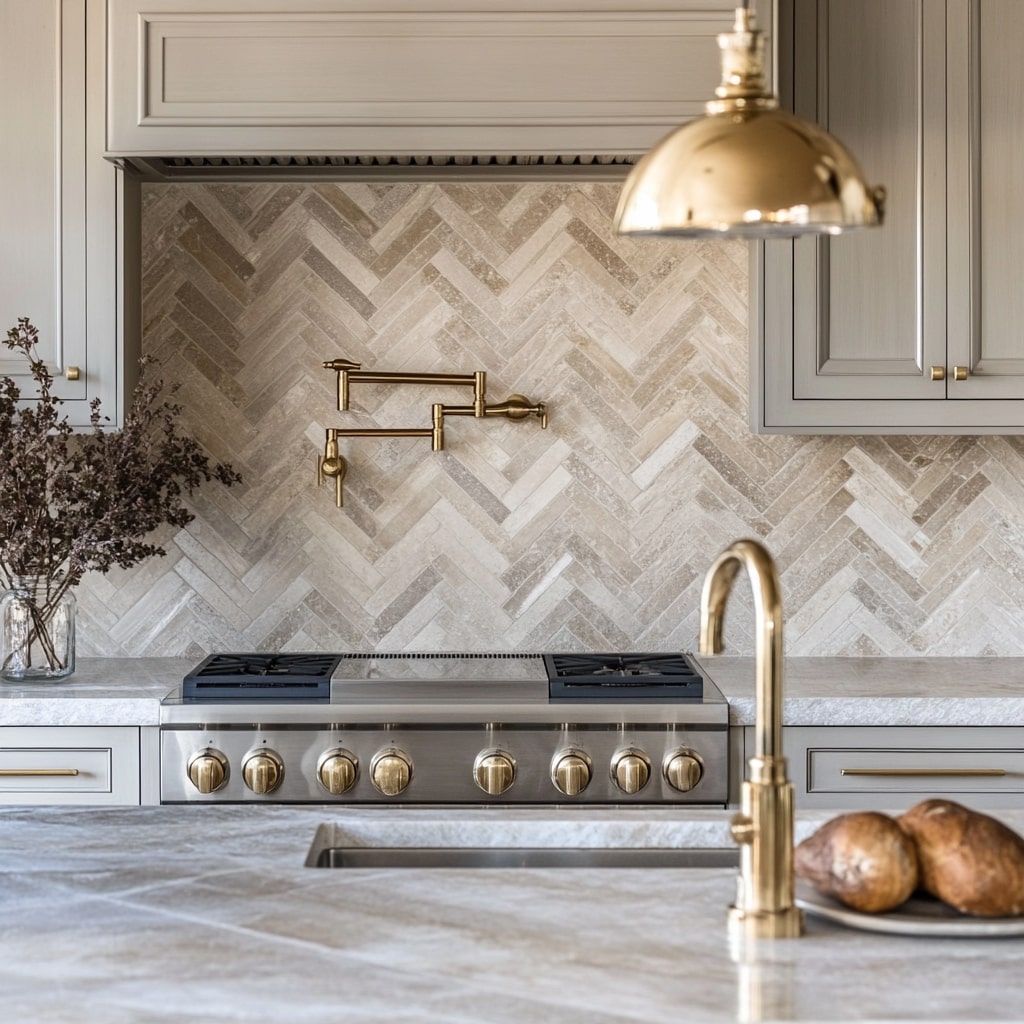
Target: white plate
{"x":920,"y":915}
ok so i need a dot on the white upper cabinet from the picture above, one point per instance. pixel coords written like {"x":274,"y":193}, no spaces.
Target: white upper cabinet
{"x":237,"y":78}
{"x":909,"y":328}
{"x":62,"y":204}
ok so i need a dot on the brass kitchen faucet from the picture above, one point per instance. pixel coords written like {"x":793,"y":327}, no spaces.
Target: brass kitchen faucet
{"x":331,"y":464}
{"x":764,"y":906}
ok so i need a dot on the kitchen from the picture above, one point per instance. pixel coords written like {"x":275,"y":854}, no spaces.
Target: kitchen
{"x":515,"y":538}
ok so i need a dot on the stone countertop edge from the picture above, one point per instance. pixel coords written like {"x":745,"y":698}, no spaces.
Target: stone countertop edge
{"x":816,"y":691}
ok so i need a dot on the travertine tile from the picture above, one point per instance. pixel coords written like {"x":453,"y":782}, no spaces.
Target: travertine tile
{"x":596,"y":533}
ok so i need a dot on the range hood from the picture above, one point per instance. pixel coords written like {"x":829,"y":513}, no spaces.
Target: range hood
{"x":246,"y":90}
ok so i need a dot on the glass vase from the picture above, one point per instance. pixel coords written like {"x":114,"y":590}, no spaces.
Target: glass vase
{"x":37,"y":630}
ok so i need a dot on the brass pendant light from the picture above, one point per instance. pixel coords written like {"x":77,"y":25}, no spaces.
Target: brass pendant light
{"x":747,"y":169}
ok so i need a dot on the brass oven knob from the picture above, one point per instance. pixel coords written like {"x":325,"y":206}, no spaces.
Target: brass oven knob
{"x":494,"y":771}
{"x":262,"y":770}
{"x":631,"y":768}
{"x":570,"y":771}
{"x":336,"y":770}
{"x":208,"y":770}
{"x":390,"y":771}
{"x":683,"y":769}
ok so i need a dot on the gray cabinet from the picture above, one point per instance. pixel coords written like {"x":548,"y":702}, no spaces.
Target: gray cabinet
{"x":909,"y":328}
{"x":891,"y":768}
{"x":243,"y":79}
{"x":62,"y":207}
{"x":74,"y":765}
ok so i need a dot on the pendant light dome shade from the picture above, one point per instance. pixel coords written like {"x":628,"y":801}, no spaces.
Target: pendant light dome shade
{"x":747,"y":169}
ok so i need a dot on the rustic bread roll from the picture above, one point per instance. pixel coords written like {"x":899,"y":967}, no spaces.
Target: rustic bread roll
{"x":863,"y":859}
{"x":969,"y":860}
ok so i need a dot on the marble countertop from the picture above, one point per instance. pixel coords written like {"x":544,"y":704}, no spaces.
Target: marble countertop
{"x":207,"y":913}
{"x":817,"y":691}
{"x":881,"y":691}
{"x":102,"y":691}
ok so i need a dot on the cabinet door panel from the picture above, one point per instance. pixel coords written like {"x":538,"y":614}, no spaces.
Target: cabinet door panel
{"x":847,"y":329}
{"x":359,"y":77}
{"x":868,"y":305}
{"x":39,"y":258}
{"x":63,"y":228}
{"x":986,"y":200}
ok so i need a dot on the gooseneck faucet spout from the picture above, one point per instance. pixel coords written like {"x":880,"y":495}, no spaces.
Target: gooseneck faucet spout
{"x":764,"y":904}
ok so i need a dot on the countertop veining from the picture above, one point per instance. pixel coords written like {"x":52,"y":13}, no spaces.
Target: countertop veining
{"x":207,"y":913}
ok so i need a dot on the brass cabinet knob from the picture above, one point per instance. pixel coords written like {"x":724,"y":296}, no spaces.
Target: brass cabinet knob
{"x":631,"y":769}
{"x":494,"y":771}
{"x":683,"y":770}
{"x":262,"y":770}
{"x":337,"y":770}
{"x":208,"y":770}
{"x":391,"y":771}
{"x":960,"y":373}
{"x":72,"y":372}
{"x":570,"y":771}
{"x":938,"y":373}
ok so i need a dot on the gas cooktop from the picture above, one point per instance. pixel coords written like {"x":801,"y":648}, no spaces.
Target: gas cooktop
{"x":445,"y":728}
{"x":287,"y":677}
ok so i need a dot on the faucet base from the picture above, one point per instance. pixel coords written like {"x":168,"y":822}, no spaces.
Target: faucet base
{"x":787,"y":923}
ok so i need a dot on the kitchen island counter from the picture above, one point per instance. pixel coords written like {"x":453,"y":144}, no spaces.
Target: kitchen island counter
{"x":207,"y":913}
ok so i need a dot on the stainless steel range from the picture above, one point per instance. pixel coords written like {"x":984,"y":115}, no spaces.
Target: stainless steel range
{"x":445,"y":729}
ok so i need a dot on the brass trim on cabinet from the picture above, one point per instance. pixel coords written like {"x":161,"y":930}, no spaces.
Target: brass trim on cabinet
{"x":923,"y":771}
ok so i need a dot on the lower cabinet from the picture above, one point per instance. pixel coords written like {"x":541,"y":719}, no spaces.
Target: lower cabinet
{"x":76,"y":765}
{"x":890,"y":768}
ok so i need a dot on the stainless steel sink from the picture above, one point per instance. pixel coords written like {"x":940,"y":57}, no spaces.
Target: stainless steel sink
{"x":323,"y":856}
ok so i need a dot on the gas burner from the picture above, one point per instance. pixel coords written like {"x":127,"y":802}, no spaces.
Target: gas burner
{"x":254,"y":676}
{"x":615,"y":677}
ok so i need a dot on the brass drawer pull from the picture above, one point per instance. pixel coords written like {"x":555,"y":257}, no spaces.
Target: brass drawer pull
{"x":961,"y":373}
{"x":922,"y":771}
{"x":22,"y":772}
{"x":938,"y":373}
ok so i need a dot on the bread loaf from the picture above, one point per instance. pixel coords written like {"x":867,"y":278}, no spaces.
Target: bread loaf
{"x":863,"y":859}
{"x":967,"y":859}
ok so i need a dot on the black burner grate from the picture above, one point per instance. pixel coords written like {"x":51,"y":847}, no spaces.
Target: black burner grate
{"x":261,"y":677}
{"x":622,"y":677}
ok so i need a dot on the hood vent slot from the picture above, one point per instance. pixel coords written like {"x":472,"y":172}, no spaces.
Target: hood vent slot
{"x":420,"y":167}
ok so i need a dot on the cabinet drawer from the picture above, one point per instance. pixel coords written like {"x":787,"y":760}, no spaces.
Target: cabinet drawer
{"x":69,"y":765}
{"x":889,"y":768}
{"x":925,"y":771}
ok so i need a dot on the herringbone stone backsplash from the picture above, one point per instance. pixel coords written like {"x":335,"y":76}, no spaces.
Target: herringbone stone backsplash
{"x":595,"y":533}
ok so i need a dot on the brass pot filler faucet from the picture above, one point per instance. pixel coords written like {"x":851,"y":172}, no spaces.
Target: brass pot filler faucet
{"x":332,"y":465}
{"x":764,"y":906}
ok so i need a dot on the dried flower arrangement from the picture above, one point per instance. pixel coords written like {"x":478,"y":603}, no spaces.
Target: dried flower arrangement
{"x":71,"y":503}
